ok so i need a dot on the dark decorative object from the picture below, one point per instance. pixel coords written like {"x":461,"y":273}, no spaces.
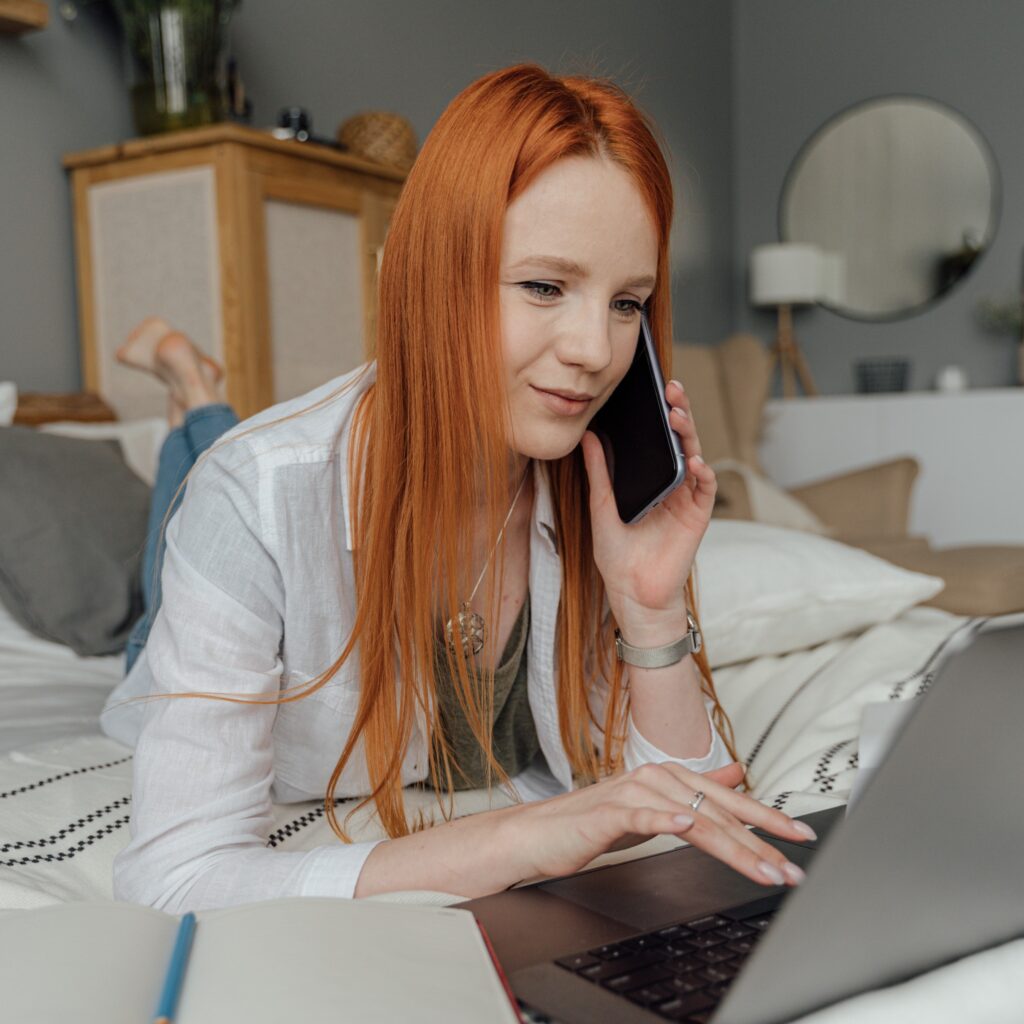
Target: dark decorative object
{"x":178,"y":51}
{"x":877,"y":375}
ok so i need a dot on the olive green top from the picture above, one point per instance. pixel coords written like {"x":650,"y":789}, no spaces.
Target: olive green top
{"x":514,"y":736}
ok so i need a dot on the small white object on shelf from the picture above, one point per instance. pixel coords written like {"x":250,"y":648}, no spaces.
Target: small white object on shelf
{"x":951,"y":378}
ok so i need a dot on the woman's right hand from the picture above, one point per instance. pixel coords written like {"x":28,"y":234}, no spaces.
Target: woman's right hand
{"x":562,"y":834}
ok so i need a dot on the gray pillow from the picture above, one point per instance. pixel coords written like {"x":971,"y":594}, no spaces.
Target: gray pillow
{"x":73,"y":521}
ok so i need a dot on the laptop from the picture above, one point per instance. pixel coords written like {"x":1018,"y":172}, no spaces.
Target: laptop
{"x":925,"y":869}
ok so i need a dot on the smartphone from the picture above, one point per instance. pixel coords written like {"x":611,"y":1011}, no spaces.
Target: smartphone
{"x":644,"y":454}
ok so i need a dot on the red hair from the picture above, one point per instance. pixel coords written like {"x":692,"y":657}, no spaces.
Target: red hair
{"x":436,"y":417}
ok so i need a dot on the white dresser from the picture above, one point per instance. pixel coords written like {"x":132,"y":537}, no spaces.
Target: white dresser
{"x":971,"y":487}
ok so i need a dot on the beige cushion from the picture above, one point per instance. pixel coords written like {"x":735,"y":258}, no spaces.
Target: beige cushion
{"x":696,"y":367}
{"x":985,"y":579}
{"x":727,"y":385}
{"x":873,"y":502}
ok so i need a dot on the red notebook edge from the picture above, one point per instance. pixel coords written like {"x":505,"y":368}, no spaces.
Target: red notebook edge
{"x":497,"y":966}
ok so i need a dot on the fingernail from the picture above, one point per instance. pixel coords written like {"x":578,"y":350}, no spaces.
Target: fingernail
{"x":772,"y":873}
{"x":683,"y":820}
{"x":793,"y":873}
{"x":682,"y":412}
{"x":677,"y":384}
{"x":805,"y":830}
{"x":697,"y":459}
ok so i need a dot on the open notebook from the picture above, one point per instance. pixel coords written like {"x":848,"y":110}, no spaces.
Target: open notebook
{"x":307,"y":959}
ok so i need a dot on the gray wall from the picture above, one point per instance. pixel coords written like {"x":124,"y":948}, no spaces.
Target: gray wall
{"x":62,"y":90}
{"x":796,"y":63}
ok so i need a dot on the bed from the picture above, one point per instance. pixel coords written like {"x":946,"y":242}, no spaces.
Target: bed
{"x":803,"y":634}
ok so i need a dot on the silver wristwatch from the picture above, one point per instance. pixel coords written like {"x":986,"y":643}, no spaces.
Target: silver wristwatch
{"x":658,"y":657}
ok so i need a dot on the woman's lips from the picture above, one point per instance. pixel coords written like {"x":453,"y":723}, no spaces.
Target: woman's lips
{"x":562,"y":406}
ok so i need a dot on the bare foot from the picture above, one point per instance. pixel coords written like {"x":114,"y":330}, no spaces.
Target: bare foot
{"x":188,"y":373}
{"x":175,"y":412}
{"x":139,"y":349}
{"x":211,"y":368}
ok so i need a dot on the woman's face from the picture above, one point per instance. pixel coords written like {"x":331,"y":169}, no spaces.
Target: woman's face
{"x":579,"y":257}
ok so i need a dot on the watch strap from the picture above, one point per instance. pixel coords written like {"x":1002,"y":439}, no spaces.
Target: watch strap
{"x":659,"y":657}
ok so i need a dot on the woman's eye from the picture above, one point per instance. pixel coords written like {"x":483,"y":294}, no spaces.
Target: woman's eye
{"x":546,"y":292}
{"x":537,"y":289}
{"x":628,"y":307}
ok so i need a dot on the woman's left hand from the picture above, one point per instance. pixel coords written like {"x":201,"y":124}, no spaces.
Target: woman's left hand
{"x":645,"y":565}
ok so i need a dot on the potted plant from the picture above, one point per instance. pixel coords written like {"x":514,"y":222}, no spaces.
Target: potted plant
{"x":178,"y":54}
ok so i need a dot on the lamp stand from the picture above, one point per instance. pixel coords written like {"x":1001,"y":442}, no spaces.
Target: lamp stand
{"x":791,"y":359}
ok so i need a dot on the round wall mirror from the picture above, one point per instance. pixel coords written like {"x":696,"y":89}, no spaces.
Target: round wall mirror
{"x":901,"y":194}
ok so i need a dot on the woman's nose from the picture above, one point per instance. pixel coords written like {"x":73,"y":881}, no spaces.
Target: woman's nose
{"x":586,"y":340}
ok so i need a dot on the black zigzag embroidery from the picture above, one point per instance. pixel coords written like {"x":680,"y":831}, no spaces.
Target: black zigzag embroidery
{"x":296,"y":825}
{"x":67,"y":829}
{"x":823,"y":779}
{"x":64,"y":775}
{"x":926,"y":674}
{"x":71,"y":851}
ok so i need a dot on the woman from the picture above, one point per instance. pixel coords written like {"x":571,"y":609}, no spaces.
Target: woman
{"x":318,"y":567}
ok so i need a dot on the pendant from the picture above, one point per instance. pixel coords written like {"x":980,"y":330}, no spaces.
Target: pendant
{"x":471,"y":629}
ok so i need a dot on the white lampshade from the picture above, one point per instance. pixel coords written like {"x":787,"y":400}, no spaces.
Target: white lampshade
{"x":785,"y":274}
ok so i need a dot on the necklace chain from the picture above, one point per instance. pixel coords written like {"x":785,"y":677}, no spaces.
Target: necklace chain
{"x":470,"y":626}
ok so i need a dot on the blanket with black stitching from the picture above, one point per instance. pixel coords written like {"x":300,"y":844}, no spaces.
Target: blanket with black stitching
{"x":65,"y":804}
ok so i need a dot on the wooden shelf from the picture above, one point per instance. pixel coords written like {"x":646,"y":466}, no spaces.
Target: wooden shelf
{"x":81,"y":406}
{"x":23,"y":15}
{"x":225,"y":131}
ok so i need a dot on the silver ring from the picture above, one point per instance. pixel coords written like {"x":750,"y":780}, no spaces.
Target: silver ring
{"x":698,"y":799}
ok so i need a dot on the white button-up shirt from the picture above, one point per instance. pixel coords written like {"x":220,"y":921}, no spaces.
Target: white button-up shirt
{"x":258,"y":595}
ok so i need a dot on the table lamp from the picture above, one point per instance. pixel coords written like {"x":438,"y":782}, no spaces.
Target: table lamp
{"x":786,"y":275}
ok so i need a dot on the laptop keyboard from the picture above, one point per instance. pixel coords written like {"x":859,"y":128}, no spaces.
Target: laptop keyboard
{"x":680,"y":972}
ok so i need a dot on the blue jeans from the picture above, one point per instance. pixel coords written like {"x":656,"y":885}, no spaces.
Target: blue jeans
{"x":181,"y":448}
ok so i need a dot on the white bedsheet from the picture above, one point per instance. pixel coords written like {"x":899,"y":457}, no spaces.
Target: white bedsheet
{"x":47,"y":691}
{"x":65,"y":788}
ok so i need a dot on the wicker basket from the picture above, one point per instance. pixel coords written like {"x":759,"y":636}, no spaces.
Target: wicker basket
{"x":380,"y":136}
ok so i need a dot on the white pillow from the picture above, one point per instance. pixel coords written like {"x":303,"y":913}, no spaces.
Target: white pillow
{"x":768,"y":590}
{"x":8,"y":402}
{"x":140,"y":439}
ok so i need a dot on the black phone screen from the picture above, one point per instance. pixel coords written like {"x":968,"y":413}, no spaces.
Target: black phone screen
{"x":644,"y":455}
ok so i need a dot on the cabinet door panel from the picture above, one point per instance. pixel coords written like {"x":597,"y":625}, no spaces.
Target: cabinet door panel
{"x":315,"y":275}
{"x":154,"y":251}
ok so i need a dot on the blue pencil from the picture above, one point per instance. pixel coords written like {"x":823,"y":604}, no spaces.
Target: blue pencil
{"x":165,"y":1009}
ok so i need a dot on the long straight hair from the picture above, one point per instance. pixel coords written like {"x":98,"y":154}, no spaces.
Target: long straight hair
{"x":431,"y":435}
{"x":440,"y":378}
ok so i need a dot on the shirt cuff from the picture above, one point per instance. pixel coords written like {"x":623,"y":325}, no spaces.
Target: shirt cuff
{"x":641,"y":751}
{"x":334,"y":870}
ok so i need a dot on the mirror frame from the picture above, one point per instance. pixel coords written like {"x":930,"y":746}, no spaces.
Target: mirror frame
{"x":995,"y":206}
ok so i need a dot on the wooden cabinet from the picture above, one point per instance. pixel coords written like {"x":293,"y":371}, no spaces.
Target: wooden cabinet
{"x":17,"y":16}
{"x":264,"y":251}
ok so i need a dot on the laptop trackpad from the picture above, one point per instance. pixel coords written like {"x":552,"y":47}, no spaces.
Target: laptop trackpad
{"x":667,"y":888}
